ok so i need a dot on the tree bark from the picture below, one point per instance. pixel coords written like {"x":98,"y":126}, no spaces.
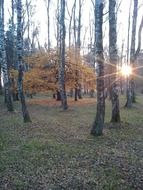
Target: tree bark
{"x":113,"y":61}
{"x":47,"y":2}
{"x":131,"y":88}
{"x":97,"y":128}
{"x":3,"y":60}
{"x":0,"y":82}
{"x":26,"y":116}
{"x":62,"y":56}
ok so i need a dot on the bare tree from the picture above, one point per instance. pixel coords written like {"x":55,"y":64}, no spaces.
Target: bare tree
{"x":77,"y":38}
{"x":113,"y":61}
{"x":70,"y":20}
{"x":62,"y":55}
{"x":98,"y":124}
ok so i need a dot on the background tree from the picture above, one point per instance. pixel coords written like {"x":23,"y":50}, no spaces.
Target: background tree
{"x":47,"y":3}
{"x":99,"y":120}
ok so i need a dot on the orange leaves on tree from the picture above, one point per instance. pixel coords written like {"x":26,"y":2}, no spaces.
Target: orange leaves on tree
{"x":42,"y":75}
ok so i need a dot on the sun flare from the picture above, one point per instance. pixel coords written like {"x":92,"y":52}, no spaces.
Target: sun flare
{"x":126,"y":70}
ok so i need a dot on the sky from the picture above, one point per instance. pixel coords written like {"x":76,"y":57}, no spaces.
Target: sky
{"x":87,"y":11}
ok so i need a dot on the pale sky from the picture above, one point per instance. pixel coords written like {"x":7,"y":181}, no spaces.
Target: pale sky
{"x":122,"y":25}
{"x":41,"y":17}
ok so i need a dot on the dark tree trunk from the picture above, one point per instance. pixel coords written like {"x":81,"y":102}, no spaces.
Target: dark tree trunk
{"x":15,"y":96}
{"x":75,"y":94}
{"x":98,"y":124}
{"x":54,"y":96}
{"x":25,"y":112}
{"x":113,"y":60}
{"x":79,"y":93}
{"x":58,"y":96}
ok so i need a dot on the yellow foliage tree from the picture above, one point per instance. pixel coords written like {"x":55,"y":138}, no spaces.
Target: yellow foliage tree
{"x":42,"y":75}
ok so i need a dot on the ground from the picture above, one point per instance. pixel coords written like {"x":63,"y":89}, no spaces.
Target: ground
{"x":57,"y":152}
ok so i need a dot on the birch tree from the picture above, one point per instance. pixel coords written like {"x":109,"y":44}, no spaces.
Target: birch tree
{"x":62,"y":55}
{"x":113,"y":61}
{"x":25,"y":112}
{"x":98,"y":124}
{"x":4,"y":65}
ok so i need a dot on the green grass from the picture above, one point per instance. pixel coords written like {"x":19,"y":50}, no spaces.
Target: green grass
{"x":56,"y":150}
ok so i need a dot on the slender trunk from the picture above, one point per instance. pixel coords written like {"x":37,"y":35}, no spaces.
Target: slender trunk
{"x":48,"y":21}
{"x":113,"y":60}
{"x":98,"y":124}
{"x":62,"y":56}
{"x":25,"y":112}
{"x":78,"y":45}
{"x":128,"y":39}
{"x":75,"y":53}
{"x":12,"y":20}
{"x":70,"y":23}
{"x":28,"y":24}
{"x":133,"y":42}
{"x":121,"y":63}
{"x":0,"y":82}
{"x":131,"y":88}
{"x":75,"y":94}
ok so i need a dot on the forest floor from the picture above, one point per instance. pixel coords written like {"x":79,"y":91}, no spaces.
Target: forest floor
{"x":57,"y":152}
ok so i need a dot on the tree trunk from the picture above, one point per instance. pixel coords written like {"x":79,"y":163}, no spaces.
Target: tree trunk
{"x":47,"y":3}
{"x":1,"y":92}
{"x":99,"y":119}
{"x":131,"y":95}
{"x":26,"y":116}
{"x":58,"y":96}
{"x":3,"y":60}
{"x":75,"y":94}
{"x":113,"y":61}
{"x":25,"y":112}
{"x":62,"y":56}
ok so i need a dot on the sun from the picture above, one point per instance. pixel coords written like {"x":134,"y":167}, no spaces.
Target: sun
{"x":126,"y":70}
